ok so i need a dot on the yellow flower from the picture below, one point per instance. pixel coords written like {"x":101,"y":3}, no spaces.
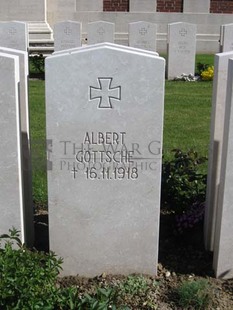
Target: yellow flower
{"x":208,"y":74}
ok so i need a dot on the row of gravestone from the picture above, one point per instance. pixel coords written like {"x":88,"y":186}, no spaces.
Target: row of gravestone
{"x":104,"y":114}
{"x":181,"y":40}
{"x":67,"y":35}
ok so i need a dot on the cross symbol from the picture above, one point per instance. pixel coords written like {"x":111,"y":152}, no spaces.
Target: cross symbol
{"x":183,"y":32}
{"x":105,"y":93}
{"x":143,"y":31}
{"x":67,"y":31}
{"x":74,"y":171}
{"x":12,"y":31}
{"x":101,"y":31}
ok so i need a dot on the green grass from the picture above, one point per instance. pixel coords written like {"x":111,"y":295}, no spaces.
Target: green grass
{"x":187,"y":116}
{"x":186,"y":123}
{"x":38,"y":140}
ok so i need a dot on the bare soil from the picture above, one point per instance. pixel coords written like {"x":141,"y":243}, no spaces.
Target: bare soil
{"x":181,"y":257}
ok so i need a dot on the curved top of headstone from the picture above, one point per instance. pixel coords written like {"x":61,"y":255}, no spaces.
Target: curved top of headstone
{"x":14,"y":35}
{"x":106,"y":44}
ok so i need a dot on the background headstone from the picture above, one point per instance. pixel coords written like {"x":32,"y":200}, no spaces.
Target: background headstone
{"x":143,"y":35}
{"x":215,"y":148}
{"x":226,"y":38}
{"x":67,"y":35}
{"x":109,"y":200}
{"x":181,"y":49}
{"x":223,"y":251}
{"x":11,"y":189}
{"x":142,"y":5}
{"x":14,"y":35}
{"x":100,"y":31}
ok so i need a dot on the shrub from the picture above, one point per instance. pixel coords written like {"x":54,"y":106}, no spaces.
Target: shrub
{"x":27,"y":278}
{"x":194,"y":294}
{"x":37,"y":65}
{"x":182,"y":182}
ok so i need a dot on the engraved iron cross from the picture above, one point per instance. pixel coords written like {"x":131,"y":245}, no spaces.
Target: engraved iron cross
{"x":105,"y":93}
{"x":183,"y":32}
{"x":101,"y":31}
{"x":12,"y":31}
{"x":143,"y":31}
{"x":67,"y":31}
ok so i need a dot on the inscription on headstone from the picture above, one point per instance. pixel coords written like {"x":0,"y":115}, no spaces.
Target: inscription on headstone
{"x":67,"y":35}
{"x":100,"y":31}
{"x":143,"y":35}
{"x":181,"y":49}
{"x":14,"y":35}
{"x":106,"y":157}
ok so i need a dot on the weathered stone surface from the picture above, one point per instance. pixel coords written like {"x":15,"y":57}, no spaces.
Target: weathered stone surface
{"x":110,"y":108}
{"x":223,"y":253}
{"x":143,"y":35}
{"x":14,"y":35}
{"x":226,"y":38}
{"x":99,"y":32}
{"x":23,"y":10}
{"x":25,"y":141}
{"x":215,"y":148}
{"x":67,"y":35}
{"x":142,"y":5}
{"x":181,"y":49}
{"x":11,"y":190}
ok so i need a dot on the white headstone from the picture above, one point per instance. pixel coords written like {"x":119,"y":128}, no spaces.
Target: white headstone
{"x":11,"y":189}
{"x":25,"y":141}
{"x":142,"y":5}
{"x":226,"y":37}
{"x":223,"y":250}
{"x":110,"y":108}
{"x":215,"y":148}
{"x":181,"y":49}
{"x":67,"y":35}
{"x":14,"y":35}
{"x":143,"y":35}
{"x":100,"y":31}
